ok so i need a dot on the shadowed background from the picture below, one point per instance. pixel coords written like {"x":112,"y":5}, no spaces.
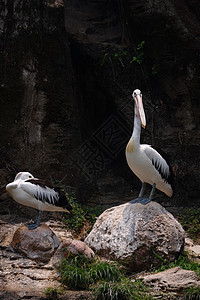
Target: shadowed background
{"x":67,"y":74}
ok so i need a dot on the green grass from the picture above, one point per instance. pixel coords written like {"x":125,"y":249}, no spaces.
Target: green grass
{"x":104,"y":279}
{"x":78,"y":272}
{"x":190,"y":220}
{"x":121,"y":290}
{"x":104,"y":270}
{"x":140,"y":54}
{"x":184,"y":262}
{"x":80,"y":214}
{"x":52,"y":293}
{"x":192,"y":293}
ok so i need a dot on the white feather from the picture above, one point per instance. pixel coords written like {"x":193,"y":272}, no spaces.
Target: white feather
{"x":155,"y":157}
{"x":140,"y":162}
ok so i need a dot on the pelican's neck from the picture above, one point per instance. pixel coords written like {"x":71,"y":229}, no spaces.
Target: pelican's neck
{"x":136,"y":132}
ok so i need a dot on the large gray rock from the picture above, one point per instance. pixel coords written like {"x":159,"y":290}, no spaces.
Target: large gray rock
{"x":175,"y":279}
{"x":137,"y":235}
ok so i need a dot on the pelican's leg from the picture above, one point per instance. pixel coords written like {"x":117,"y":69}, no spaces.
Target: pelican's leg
{"x":37,"y":221}
{"x":145,"y":200}
{"x":152,"y":191}
{"x":140,"y":198}
{"x":142,"y":190}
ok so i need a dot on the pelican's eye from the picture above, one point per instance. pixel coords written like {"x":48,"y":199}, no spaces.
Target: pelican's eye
{"x":30,"y":176}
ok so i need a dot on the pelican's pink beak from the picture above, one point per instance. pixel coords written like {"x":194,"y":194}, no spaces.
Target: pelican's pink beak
{"x":137,"y":96}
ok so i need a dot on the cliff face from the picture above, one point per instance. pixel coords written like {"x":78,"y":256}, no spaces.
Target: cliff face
{"x":38,"y":110}
{"x":68,"y":72}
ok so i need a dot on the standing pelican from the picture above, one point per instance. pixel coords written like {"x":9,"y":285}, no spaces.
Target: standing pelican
{"x":147,"y":164}
{"x":36,"y":193}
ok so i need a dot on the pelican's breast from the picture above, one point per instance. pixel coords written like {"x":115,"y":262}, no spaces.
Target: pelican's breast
{"x":130,"y":146}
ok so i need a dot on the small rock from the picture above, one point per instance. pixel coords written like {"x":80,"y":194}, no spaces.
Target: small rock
{"x":194,"y":250}
{"x":175,"y":279}
{"x":39,"y":244}
{"x":71,"y":246}
{"x":76,"y":247}
{"x":137,"y":235}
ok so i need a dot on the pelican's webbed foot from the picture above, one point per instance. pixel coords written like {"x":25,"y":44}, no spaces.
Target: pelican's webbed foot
{"x":140,"y":200}
{"x":37,"y":222}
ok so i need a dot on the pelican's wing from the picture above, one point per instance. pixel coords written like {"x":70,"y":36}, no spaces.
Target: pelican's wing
{"x":157,"y":161}
{"x":40,"y":191}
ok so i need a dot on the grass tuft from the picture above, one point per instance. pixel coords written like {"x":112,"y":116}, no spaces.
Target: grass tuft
{"x":184,"y":262}
{"x":52,"y":293}
{"x":104,"y":271}
{"x":78,"y":272}
{"x":104,"y":279}
{"x":192,"y":293}
{"x":190,"y":220}
{"x":121,"y":290}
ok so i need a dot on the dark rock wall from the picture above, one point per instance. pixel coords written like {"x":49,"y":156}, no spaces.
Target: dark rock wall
{"x":39,"y":120}
{"x":67,"y":74}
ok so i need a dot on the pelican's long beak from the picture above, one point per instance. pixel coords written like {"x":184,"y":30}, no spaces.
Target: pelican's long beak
{"x":140,"y":109}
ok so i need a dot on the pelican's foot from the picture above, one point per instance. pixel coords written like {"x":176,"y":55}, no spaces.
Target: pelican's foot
{"x":141,"y":200}
{"x":32,"y":226}
{"x":37,"y":222}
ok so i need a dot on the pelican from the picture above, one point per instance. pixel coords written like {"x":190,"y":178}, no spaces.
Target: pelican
{"x":145,"y":162}
{"x":36,"y":193}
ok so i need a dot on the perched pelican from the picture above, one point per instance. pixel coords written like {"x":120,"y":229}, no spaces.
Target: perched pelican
{"x":36,"y":193}
{"x":147,"y":164}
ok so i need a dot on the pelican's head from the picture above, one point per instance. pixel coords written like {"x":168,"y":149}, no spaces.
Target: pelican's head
{"x":23,"y":176}
{"x":137,"y":96}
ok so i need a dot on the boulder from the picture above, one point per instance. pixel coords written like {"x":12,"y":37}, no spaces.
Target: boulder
{"x":175,"y":279}
{"x":139,"y":236}
{"x":39,"y":244}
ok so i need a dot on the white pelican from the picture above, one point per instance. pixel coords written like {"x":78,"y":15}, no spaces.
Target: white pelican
{"x":36,"y":193}
{"x":147,"y":164}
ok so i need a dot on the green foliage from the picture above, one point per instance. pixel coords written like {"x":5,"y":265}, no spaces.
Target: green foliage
{"x":79,"y":272}
{"x":190,"y":220}
{"x":75,"y":220}
{"x":140,"y":46}
{"x":192,"y":293}
{"x":103,"y":59}
{"x":140,"y":54}
{"x":52,"y":293}
{"x":154,"y":70}
{"x":122,"y":57}
{"x":118,"y":55}
{"x":92,"y":213}
{"x":80,"y":214}
{"x":184,"y":262}
{"x":121,"y":290}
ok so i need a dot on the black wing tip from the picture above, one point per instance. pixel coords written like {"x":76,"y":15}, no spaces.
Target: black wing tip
{"x":168,"y":178}
{"x":62,"y":199}
{"x":63,"y":202}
